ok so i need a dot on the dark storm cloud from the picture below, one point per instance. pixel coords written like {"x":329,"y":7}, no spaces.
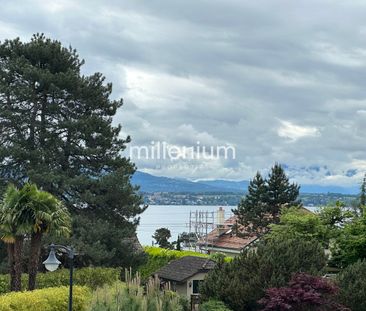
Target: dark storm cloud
{"x":279,"y":80}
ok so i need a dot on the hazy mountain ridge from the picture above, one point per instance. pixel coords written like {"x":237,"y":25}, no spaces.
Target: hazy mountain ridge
{"x":150,"y":183}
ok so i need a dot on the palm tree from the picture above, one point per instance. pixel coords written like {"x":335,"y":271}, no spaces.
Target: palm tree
{"x":33,"y":213}
{"x":43,"y":213}
{"x":12,"y":232}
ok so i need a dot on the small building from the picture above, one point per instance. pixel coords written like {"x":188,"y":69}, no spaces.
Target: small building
{"x":185,"y":274}
{"x":224,"y":238}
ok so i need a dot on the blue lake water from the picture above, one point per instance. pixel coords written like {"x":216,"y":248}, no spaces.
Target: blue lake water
{"x":173,"y":217}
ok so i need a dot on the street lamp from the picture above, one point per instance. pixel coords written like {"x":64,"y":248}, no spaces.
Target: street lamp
{"x":52,"y":263}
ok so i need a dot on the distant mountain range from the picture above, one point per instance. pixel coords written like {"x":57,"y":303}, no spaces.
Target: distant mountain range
{"x":150,"y":183}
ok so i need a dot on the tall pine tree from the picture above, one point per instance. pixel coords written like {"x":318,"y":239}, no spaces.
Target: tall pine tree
{"x":252,"y":210}
{"x":362,"y":204}
{"x":56,"y":130}
{"x":261,"y":206}
{"x":281,"y":193}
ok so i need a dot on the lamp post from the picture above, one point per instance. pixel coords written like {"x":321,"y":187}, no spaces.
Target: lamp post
{"x":52,"y":263}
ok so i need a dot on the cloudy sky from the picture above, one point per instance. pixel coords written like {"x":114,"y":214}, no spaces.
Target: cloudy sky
{"x":280,"y":81}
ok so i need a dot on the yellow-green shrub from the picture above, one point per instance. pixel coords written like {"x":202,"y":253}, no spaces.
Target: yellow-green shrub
{"x":170,"y":254}
{"x":48,"y":299}
{"x":159,"y":257}
{"x":91,"y":277}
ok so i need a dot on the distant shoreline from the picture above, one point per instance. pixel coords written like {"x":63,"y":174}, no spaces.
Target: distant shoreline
{"x":233,"y":199}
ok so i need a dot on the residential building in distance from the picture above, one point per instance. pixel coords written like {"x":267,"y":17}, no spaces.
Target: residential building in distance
{"x":224,"y":239}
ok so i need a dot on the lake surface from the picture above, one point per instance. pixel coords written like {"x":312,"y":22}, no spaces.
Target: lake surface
{"x":173,"y":217}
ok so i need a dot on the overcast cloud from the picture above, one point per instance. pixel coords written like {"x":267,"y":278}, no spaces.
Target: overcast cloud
{"x":280,"y":80}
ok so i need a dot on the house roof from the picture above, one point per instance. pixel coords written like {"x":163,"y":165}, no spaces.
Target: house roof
{"x":185,"y":267}
{"x":225,"y":236}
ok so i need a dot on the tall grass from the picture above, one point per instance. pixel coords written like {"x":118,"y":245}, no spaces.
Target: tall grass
{"x":131,"y":296}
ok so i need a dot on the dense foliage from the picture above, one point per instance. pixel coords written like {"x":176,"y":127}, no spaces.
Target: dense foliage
{"x":90,"y":277}
{"x":161,"y":237}
{"x":265,"y":198}
{"x":50,"y":299}
{"x":352,"y":283}
{"x":298,"y":222}
{"x":242,"y":282}
{"x":107,"y":244}
{"x":350,"y":243}
{"x":213,"y":305}
{"x":159,"y":257}
{"x":303,"y":293}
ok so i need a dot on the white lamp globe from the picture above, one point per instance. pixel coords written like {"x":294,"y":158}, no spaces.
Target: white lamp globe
{"x":52,"y":263}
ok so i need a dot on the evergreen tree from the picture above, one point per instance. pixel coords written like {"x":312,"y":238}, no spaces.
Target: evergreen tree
{"x":252,"y":209}
{"x":56,"y":130}
{"x":178,"y":245}
{"x":281,"y":193}
{"x":261,"y":206}
{"x":363,"y":195}
{"x":352,"y":283}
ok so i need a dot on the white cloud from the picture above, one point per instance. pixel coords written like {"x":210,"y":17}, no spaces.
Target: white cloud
{"x":294,"y":132}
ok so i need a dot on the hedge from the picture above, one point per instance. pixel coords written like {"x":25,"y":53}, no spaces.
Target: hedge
{"x":213,"y":305}
{"x":159,"y":257}
{"x":48,"y":299}
{"x":91,"y":277}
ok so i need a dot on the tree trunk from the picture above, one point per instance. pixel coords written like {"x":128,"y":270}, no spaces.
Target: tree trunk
{"x":18,"y":249}
{"x":10,"y":249}
{"x":35,"y":251}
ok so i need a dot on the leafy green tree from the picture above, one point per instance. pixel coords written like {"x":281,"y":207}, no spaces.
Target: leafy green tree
{"x":352,"y":283}
{"x":300,"y":223}
{"x":265,"y":198}
{"x":242,"y":282}
{"x":162,"y":236}
{"x":350,"y":244}
{"x":335,"y":215}
{"x":56,"y":130}
{"x":188,"y":238}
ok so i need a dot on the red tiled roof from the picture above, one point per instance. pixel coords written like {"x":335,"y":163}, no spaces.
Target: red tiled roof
{"x":225,"y":237}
